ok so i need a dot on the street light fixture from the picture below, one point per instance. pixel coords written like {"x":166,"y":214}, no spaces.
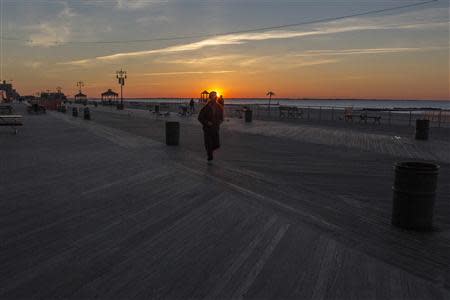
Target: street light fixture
{"x":80,"y":85}
{"x":121,"y":76}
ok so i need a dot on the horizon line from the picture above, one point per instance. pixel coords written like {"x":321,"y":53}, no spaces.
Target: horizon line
{"x":283,"y":98}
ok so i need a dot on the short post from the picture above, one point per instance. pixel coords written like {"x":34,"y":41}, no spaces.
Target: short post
{"x":309,"y":108}
{"x":422,"y":129}
{"x":248,"y":115}
{"x":410,"y":117}
{"x":390,"y":116}
{"x":172,"y":133}
{"x":414,"y":194}
{"x":332,"y":113}
{"x":320,"y":113}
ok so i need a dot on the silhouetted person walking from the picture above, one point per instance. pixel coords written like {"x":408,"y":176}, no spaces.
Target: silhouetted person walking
{"x":192,"y":106}
{"x":211,"y":116}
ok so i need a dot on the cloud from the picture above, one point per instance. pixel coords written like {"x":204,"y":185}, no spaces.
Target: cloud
{"x":203,"y":60}
{"x":152,"y":20}
{"x":283,"y":62}
{"x":230,"y":39}
{"x":32,"y":64}
{"x":365,"y":51}
{"x":134,"y":4}
{"x":187,"y":73}
{"x":343,"y":26}
{"x":56,"y":31}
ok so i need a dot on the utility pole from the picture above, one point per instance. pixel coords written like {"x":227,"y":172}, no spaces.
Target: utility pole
{"x":121,"y":76}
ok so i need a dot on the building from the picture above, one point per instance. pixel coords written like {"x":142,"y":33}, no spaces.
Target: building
{"x":8,"y":92}
{"x":52,"y":100}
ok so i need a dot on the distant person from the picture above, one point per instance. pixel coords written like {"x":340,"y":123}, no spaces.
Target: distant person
{"x":192,"y":106}
{"x":211,"y":116}
{"x":221,"y":101}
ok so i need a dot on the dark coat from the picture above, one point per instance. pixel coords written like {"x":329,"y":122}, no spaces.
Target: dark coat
{"x":211,"y":116}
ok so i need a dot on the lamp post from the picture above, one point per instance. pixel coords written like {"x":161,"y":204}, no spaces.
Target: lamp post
{"x":121,"y":76}
{"x":80,"y":85}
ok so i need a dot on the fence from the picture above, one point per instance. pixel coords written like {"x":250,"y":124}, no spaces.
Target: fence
{"x":364,"y":116}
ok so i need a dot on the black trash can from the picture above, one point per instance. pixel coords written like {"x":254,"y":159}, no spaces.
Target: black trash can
{"x":172,"y":133}
{"x":120,"y":106}
{"x":63,"y":109}
{"x":414,"y":194}
{"x":157,"y":109}
{"x":87,"y":113}
{"x":75,"y":112}
{"x":248,"y":116}
{"x":422,"y":129}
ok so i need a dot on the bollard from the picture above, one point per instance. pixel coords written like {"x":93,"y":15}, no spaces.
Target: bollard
{"x":414,"y":194}
{"x":75,"y":112}
{"x":87,"y":113}
{"x":422,"y":129}
{"x":248,"y":116}
{"x":172,"y":133}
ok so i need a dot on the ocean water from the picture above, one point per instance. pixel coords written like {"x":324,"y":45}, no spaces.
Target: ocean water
{"x":388,"y":104}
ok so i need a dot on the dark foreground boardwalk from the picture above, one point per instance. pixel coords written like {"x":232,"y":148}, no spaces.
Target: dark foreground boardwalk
{"x":103,"y":209}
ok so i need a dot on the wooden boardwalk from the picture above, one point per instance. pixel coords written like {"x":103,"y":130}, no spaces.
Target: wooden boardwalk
{"x":103,"y":209}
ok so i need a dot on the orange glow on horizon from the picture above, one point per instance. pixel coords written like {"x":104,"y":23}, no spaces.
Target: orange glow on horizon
{"x":219,"y":91}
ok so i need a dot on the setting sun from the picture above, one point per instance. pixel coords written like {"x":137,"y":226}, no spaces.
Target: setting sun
{"x":219,"y":91}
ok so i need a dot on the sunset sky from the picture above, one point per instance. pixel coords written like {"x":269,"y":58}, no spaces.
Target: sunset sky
{"x":401,"y":54}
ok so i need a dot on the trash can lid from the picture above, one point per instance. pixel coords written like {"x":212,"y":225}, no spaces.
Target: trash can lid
{"x":417,"y":165}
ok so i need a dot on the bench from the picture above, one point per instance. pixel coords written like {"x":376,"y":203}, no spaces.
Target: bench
{"x":183,"y":110}
{"x":11,"y":121}
{"x":364,"y":117}
{"x":6,"y":109}
{"x":292,"y":112}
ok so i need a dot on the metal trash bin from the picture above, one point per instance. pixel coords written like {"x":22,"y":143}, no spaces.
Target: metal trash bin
{"x":87,"y":113}
{"x":414,"y":194}
{"x":248,"y":115}
{"x":75,"y":112}
{"x":172,"y":133}
{"x":422,"y":129}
